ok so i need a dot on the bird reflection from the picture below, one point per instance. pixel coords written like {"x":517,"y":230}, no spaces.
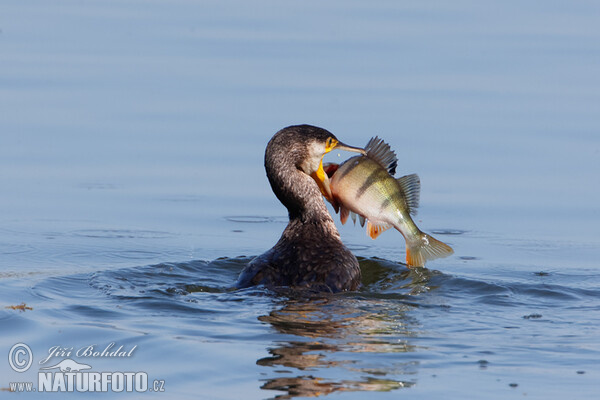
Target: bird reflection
{"x":309,"y":386}
{"x":341,"y":343}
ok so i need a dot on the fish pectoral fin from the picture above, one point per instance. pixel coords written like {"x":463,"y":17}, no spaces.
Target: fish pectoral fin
{"x":375,"y":230}
{"x":411,"y":188}
{"x":344,"y":212}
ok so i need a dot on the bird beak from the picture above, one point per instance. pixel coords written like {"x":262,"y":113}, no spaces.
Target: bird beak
{"x":342,"y":146}
{"x":321,"y":177}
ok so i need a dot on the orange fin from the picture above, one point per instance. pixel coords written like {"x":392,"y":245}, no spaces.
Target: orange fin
{"x":425,"y":248}
{"x":374,"y":230}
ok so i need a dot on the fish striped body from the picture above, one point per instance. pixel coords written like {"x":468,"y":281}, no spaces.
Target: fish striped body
{"x":364,"y":186}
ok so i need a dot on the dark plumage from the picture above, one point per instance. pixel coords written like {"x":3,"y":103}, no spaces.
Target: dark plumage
{"x":310,"y":253}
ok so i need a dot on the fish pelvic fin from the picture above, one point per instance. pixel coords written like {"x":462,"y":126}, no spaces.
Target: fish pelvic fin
{"x":361,"y":219}
{"x":375,"y":230}
{"x":354,"y":216}
{"x":411,"y":188}
{"x":425,"y":248}
{"x":344,"y":212}
{"x":380,"y":151}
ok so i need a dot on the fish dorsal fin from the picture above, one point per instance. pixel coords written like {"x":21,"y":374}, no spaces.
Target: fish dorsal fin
{"x":411,"y":188}
{"x":381,"y":152}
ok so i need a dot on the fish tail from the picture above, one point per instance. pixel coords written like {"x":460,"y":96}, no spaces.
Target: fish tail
{"x":425,"y":248}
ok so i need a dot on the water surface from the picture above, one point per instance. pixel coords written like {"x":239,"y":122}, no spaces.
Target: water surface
{"x":133,"y":193}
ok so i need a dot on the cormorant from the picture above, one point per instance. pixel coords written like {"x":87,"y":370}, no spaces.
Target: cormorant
{"x":310,"y":253}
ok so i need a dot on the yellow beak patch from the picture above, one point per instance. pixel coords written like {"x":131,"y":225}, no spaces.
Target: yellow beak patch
{"x":323,"y":181}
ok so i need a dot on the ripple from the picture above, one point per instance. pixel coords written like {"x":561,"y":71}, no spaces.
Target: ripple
{"x":96,"y":186}
{"x":357,"y":247}
{"x":448,"y":232}
{"x":249,"y":219}
{"x":10,"y":248}
{"x":532,"y":316}
{"x":121,"y":234}
{"x":256,"y":219}
{"x":105,"y":254}
{"x":137,"y":254}
{"x":184,"y":198}
{"x":170,"y":278}
{"x":380,"y":331}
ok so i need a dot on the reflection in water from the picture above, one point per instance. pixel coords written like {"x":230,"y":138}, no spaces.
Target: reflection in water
{"x":309,"y":386}
{"x":317,"y":343}
{"x":328,"y":333}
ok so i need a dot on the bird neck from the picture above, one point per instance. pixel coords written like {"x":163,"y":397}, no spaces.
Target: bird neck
{"x":298,"y":192}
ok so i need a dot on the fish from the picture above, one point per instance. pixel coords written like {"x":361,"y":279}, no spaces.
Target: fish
{"x":364,"y":186}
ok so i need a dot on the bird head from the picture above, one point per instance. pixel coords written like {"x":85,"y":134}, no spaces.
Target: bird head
{"x":319,"y":142}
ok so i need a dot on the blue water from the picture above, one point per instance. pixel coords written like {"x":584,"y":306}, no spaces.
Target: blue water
{"x":133,"y":193}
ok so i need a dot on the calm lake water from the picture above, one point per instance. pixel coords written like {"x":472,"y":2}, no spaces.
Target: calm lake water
{"x":132,"y":136}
